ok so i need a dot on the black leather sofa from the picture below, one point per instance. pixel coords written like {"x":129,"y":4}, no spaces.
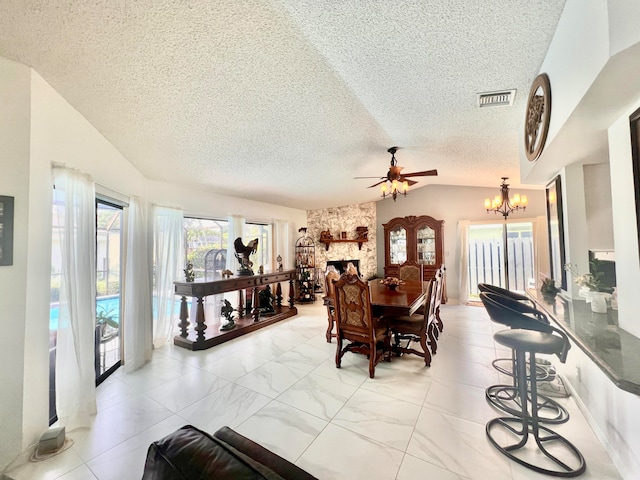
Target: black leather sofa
{"x":190,"y":453}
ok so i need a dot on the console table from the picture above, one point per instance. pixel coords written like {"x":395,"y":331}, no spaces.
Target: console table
{"x":613,"y":349}
{"x":206,"y":335}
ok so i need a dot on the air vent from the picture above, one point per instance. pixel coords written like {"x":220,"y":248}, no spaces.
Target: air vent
{"x":496,"y":99}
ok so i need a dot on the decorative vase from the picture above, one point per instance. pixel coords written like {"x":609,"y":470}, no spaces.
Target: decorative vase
{"x":599,"y":302}
{"x":392,"y":286}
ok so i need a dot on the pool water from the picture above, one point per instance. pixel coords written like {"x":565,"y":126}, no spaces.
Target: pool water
{"x":103,"y":304}
{"x":106,"y":304}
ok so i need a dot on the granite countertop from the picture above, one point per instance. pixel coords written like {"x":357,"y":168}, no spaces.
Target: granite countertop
{"x":614,"y":350}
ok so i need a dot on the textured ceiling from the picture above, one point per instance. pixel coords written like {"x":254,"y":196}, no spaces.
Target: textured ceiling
{"x":285,"y":101}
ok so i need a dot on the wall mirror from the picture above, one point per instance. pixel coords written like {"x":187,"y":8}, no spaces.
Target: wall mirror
{"x":556,"y":232}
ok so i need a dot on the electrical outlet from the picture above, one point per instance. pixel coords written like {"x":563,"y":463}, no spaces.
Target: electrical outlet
{"x":578,"y":373}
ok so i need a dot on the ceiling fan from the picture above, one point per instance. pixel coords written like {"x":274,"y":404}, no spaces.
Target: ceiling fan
{"x":397,"y":178}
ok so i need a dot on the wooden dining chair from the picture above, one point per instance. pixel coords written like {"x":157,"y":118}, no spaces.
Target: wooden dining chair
{"x":356,"y":323}
{"x":410,"y":271}
{"x":416,"y":328}
{"x":330,"y":276}
{"x":439,"y":326}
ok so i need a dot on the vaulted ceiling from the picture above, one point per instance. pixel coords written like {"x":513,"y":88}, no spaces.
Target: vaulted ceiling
{"x":285,"y":101}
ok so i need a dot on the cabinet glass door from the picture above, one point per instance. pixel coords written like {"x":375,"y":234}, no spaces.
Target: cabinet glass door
{"x":398,"y":246}
{"x":426,"y":244}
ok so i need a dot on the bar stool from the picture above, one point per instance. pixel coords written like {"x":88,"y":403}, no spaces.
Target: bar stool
{"x":505,"y":365}
{"x":526,"y":423}
{"x":516,"y":315}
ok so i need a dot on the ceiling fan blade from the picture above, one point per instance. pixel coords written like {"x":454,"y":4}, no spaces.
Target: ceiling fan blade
{"x":368,"y":177}
{"x":409,"y":181}
{"x":379,"y":183}
{"x":426,"y":173}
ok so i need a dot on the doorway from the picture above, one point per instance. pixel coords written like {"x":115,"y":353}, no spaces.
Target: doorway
{"x":108,"y":288}
{"x":487,"y":262}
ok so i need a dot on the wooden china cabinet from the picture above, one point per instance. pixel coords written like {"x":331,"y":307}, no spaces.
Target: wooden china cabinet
{"x":415,"y":240}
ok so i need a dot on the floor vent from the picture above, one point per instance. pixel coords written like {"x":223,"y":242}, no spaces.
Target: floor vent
{"x":503,"y":98}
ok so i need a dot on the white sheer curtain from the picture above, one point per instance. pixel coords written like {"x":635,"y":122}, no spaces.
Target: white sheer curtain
{"x":236,"y":229}
{"x":75,"y":355}
{"x":168,"y":245}
{"x":138,"y":317}
{"x":463,"y":274}
{"x":282,"y":247}
{"x":281,"y":243}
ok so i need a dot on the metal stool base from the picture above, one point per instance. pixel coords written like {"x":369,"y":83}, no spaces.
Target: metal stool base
{"x":521,"y":429}
{"x":507,"y":399}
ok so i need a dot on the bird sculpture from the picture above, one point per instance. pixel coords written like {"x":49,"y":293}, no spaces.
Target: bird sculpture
{"x":242,"y":254}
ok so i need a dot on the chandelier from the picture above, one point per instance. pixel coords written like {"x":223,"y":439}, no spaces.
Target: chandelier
{"x":503,"y":204}
{"x":393,"y":188}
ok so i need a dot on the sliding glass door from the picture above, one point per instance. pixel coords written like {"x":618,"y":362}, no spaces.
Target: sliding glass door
{"x":108,"y":291}
{"x":487,"y":262}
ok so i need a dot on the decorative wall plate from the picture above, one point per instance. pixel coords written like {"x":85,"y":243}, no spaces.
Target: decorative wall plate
{"x":538,"y":116}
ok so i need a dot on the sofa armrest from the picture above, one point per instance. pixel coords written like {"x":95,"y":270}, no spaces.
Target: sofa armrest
{"x":191,"y":454}
{"x":265,"y":457}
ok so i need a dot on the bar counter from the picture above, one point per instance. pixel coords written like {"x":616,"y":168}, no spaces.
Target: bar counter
{"x":614,"y":350}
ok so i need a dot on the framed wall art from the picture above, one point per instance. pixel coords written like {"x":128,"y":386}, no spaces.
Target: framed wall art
{"x":6,"y":230}
{"x":556,"y":232}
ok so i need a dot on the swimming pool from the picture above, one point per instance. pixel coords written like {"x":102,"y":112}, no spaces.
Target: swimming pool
{"x":103,"y":304}
{"x":106,"y":304}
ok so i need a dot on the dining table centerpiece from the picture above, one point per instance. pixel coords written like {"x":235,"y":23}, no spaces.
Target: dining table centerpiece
{"x":391,"y":282}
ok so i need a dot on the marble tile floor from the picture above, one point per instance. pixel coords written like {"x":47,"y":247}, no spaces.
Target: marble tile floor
{"x":279,"y":386}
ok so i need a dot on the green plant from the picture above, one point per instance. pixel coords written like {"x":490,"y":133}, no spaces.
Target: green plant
{"x":592,"y":280}
{"x":106,"y":318}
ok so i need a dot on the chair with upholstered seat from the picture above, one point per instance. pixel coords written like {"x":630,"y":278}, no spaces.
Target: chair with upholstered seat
{"x":410,"y":271}
{"x":356,"y":323}
{"x":416,"y":328}
{"x":440,"y":273}
{"x":330,"y":276}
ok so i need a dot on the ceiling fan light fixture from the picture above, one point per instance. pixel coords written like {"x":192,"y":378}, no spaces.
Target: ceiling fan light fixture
{"x":395,"y":182}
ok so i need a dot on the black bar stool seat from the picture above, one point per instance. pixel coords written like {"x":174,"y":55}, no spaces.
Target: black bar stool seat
{"x":566,"y":460}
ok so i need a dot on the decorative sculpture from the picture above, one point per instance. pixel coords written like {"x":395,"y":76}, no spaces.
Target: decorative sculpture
{"x":226,"y":273}
{"x":266,"y":301}
{"x":189,"y":275}
{"x":227,"y":312}
{"x":242,"y":254}
{"x":279,"y":260}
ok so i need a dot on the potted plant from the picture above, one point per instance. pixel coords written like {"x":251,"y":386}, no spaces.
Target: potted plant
{"x":106,"y":324}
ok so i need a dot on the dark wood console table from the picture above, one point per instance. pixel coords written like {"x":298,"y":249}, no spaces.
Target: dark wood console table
{"x":206,"y":335}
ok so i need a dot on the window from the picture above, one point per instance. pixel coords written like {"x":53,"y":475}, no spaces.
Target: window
{"x":263,"y":234}
{"x":202,"y":236}
{"x":206,"y":243}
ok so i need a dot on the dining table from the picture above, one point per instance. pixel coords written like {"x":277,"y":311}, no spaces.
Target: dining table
{"x":404,"y":300}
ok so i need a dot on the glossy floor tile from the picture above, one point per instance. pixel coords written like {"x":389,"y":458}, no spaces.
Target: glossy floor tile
{"x":280,"y":387}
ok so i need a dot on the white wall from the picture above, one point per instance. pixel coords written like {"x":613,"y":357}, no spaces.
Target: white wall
{"x":14,"y":181}
{"x":450,"y":204}
{"x":625,"y":228}
{"x":593,"y":54}
{"x":578,"y":51}
{"x":38,"y":128}
{"x":597,"y":189}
